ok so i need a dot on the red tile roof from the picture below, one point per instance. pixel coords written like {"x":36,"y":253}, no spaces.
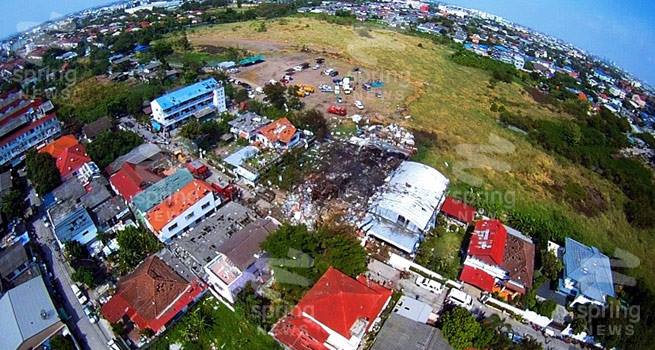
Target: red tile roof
{"x":477,"y":277}
{"x":279,"y":130}
{"x":132,"y":179}
{"x":151,"y":295}
{"x":69,"y":154}
{"x":488,"y":242}
{"x":336,"y":301}
{"x":458,"y":210}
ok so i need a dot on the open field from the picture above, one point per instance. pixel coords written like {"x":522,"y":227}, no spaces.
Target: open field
{"x":449,"y":104}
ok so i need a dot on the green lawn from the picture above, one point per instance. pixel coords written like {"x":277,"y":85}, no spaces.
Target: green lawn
{"x":211,"y":325}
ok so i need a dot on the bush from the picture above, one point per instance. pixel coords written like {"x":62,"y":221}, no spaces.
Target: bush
{"x":42,"y":171}
{"x":112,"y":144}
{"x":135,"y":245}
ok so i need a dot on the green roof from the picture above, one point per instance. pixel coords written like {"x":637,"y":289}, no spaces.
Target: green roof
{"x":159,"y":191}
{"x":252,"y":60}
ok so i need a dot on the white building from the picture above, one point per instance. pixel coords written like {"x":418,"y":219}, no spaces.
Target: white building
{"x":182,"y":210}
{"x":406,"y":207}
{"x":197,"y":100}
{"x":240,"y":260}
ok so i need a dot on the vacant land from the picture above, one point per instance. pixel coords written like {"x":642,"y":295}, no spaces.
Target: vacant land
{"x":449,"y":105}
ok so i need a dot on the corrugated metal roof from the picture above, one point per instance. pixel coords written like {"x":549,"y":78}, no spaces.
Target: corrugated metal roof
{"x":414,"y":191}
{"x":75,"y":223}
{"x":590,"y":268}
{"x":156,"y":193}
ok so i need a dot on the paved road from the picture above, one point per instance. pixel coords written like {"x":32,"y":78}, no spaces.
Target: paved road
{"x":90,"y":335}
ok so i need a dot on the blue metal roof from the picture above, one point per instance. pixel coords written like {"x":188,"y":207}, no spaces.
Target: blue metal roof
{"x":159,"y":191}
{"x":590,"y":268}
{"x":77,"y":226}
{"x":186,"y":93}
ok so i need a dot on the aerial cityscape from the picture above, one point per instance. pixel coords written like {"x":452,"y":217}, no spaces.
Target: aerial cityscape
{"x":320,"y":175}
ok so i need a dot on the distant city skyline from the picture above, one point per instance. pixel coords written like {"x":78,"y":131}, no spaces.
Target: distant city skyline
{"x":619,"y":32}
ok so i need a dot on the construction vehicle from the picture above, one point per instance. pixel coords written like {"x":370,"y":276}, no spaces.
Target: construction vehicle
{"x":303,"y":90}
{"x":338,"y":110}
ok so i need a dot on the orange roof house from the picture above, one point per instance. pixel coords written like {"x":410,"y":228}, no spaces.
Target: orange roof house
{"x":151,"y":296}
{"x":69,"y":154}
{"x":175,"y":205}
{"x":280,"y":133}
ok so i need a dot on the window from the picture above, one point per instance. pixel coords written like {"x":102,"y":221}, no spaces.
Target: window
{"x":173,"y":227}
{"x":402,"y":221}
{"x":204,"y":206}
{"x":189,"y":216}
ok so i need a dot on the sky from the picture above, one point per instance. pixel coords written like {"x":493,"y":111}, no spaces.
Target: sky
{"x":620,"y":31}
{"x":19,"y":15}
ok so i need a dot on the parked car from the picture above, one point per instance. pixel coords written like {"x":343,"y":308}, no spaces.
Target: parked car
{"x":333,"y":73}
{"x":359,"y":104}
{"x":93,"y":318}
{"x":431,"y":285}
{"x":338,"y":110}
{"x":78,"y":294}
{"x":459,"y":298}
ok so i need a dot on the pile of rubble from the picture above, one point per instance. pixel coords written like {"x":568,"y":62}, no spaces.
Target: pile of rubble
{"x":344,"y":177}
{"x":391,"y":138}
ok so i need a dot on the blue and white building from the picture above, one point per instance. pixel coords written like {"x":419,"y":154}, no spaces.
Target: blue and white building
{"x":587,"y":276}
{"x":197,"y":100}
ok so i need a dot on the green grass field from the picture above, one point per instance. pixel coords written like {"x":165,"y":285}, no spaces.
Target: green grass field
{"x":211,"y":325}
{"x":450,"y":105}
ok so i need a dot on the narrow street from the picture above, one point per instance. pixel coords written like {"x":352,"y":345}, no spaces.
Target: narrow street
{"x":91,"y":336}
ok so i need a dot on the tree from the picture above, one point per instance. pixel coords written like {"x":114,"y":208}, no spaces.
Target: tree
{"x":578,"y":325}
{"x":75,"y":250}
{"x":276,"y":95}
{"x":60,"y":342}
{"x":111,"y":144}
{"x":135,"y":245}
{"x":312,"y":120}
{"x":546,"y":308}
{"x":42,"y":171}
{"x":84,"y":275}
{"x":551,"y":266}
{"x":460,"y":328}
{"x":13,"y":204}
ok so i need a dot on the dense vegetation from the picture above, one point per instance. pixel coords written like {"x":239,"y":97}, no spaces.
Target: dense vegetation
{"x":594,"y":141}
{"x":499,"y":70}
{"x":300,"y":256}
{"x":206,"y":134}
{"x":135,"y":245}
{"x":440,"y":252}
{"x":110,"y":145}
{"x":42,"y":171}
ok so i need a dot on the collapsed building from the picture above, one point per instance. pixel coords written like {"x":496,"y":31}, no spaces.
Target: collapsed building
{"x":406,"y":207}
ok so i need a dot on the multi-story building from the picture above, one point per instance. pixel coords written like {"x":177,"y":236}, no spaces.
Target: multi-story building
{"x":182,"y":209}
{"x":197,"y":100}
{"x":240,"y":260}
{"x":24,"y":124}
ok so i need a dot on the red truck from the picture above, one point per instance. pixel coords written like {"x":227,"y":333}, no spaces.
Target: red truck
{"x":338,"y":110}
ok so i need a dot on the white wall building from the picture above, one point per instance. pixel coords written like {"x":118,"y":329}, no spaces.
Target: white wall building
{"x":197,"y":100}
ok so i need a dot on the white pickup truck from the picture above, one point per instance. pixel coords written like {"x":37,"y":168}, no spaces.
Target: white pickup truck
{"x":431,"y":285}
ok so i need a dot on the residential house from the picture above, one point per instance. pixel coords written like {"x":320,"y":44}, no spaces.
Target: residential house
{"x":16,"y":267}
{"x":399,"y":332}
{"x":240,"y":259}
{"x":239,"y":160}
{"x":76,"y":226}
{"x":279,"y":134}
{"x":131,"y":179}
{"x":182,"y":209}
{"x":151,"y":296}
{"x":336,"y":313}
{"x":70,"y":156}
{"x":196,"y":100}
{"x":246,"y":125}
{"x":28,"y":316}
{"x":587,"y":275}
{"x":457,"y":211}
{"x":145,"y":200}
{"x":499,"y":259}
{"x":97,"y":127}
{"x":406,"y":207}
{"x":147,"y":155}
